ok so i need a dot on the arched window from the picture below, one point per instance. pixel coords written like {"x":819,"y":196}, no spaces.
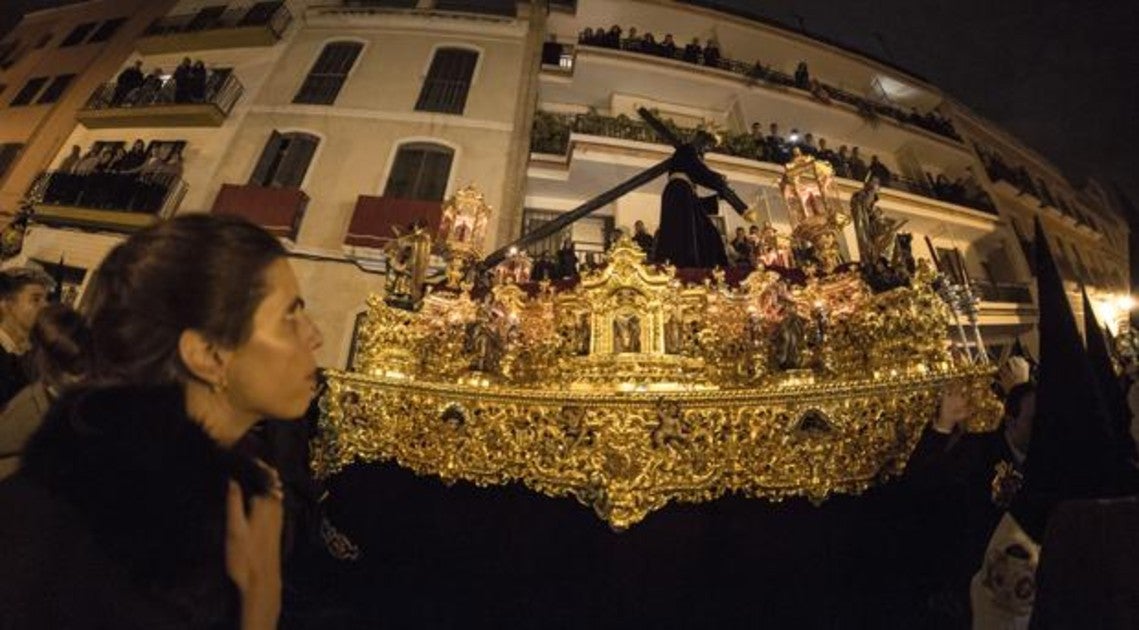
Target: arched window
{"x":448,"y":81}
{"x":285,"y":160}
{"x":420,"y":171}
{"x":327,"y":76}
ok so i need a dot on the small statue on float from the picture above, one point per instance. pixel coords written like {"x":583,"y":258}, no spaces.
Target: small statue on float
{"x":816,"y":219}
{"x":408,"y":256}
{"x":462,"y":230}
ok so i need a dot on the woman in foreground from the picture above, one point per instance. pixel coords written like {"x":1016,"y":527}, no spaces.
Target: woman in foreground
{"x":132,"y":509}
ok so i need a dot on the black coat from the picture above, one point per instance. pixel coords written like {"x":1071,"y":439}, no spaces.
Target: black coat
{"x":687,"y":237}
{"x":117,"y":518}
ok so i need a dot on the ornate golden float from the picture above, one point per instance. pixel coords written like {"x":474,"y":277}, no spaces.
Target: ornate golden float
{"x":634,"y":388}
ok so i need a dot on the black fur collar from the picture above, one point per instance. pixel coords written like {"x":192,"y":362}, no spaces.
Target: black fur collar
{"x":149,"y":482}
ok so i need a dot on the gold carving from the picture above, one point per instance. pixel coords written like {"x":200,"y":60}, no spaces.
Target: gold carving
{"x":633,"y":390}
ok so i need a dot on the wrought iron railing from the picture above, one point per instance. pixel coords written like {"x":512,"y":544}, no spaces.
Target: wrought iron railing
{"x":146,"y":193}
{"x":222,"y":90}
{"x":822,"y":91}
{"x":551,"y":135}
{"x":274,"y":15}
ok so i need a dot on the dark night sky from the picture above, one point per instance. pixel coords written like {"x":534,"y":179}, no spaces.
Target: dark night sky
{"x":1061,"y":75}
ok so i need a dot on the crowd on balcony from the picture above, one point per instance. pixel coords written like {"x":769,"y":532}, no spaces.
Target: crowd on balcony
{"x":709,"y":54}
{"x":110,"y":177}
{"x":191,"y":82}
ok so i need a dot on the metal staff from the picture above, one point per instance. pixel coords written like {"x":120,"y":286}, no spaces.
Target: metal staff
{"x":948,"y":294}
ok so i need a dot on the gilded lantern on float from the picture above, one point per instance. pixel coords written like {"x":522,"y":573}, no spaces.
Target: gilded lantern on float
{"x":817,"y":215}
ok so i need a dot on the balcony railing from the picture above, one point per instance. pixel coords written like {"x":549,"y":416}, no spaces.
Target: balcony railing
{"x":162,"y":105}
{"x":374,"y":218}
{"x":1013,"y":292}
{"x":825,"y":93}
{"x":262,"y":24}
{"x":122,"y":201}
{"x":278,"y":210}
{"x":551,"y":135}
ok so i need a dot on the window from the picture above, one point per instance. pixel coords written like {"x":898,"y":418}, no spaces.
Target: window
{"x":448,"y":81}
{"x":260,"y":13}
{"x":77,"y":35}
{"x":420,"y":172}
{"x":29,"y":91}
{"x":55,"y":89}
{"x":206,"y":18}
{"x":107,"y":30}
{"x":8,"y":154}
{"x":285,"y":160}
{"x":327,"y":76}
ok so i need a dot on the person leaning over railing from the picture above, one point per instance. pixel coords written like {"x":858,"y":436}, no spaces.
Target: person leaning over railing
{"x":133,"y":508}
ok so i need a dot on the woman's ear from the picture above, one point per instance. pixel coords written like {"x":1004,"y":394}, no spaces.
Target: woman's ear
{"x":204,"y":359}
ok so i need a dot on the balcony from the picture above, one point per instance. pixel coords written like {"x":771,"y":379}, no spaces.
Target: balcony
{"x":159,"y":106}
{"x":115,"y":201}
{"x":551,"y":136}
{"x":753,"y":75}
{"x":1010,"y":292}
{"x":278,"y":210}
{"x":262,"y":24}
{"x":374,"y":218}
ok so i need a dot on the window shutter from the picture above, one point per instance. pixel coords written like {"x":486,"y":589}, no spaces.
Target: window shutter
{"x":323,"y":83}
{"x":420,"y":172}
{"x":269,"y":156}
{"x":448,"y":81}
{"x":295,"y":162}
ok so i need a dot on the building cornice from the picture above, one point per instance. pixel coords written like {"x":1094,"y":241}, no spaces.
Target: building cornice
{"x":442,"y":120}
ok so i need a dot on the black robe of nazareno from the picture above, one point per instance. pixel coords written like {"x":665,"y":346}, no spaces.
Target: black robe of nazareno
{"x":688,"y":238}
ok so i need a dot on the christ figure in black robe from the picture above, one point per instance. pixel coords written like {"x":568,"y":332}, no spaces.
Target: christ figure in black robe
{"x":688,"y":238}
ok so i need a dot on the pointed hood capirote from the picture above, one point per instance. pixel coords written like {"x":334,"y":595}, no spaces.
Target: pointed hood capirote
{"x":1073,"y":452}
{"x":1099,"y":354}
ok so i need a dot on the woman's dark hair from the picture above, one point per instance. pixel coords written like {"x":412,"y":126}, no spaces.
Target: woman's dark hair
{"x":197,"y":271}
{"x":61,"y":344}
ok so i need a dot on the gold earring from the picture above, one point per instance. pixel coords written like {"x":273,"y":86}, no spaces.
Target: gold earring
{"x":219,"y":386}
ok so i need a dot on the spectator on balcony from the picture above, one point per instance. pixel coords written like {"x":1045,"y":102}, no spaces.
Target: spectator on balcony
{"x":544,"y":268}
{"x":148,"y":92}
{"x":879,"y":170}
{"x":758,"y":142}
{"x":693,"y":51}
{"x":802,"y":76}
{"x":567,"y":259}
{"x":712,"y":54}
{"x":808,"y":145}
{"x":613,"y":37}
{"x":632,"y":43}
{"x":758,"y":72}
{"x":67,"y":165}
{"x":642,"y":238}
{"x":826,"y":155}
{"x":777,"y":149}
{"x":197,"y":86}
{"x":128,"y":81}
{"x":743,"y":248}
{"x":842,"y":162}
{"x":857,"y":165}
{"x":182,"y":81}
{"x":667,"y":47}
{"x":649,"y":45}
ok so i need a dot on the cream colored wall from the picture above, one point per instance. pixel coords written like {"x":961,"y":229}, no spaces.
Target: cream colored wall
{"x":334,"y":292}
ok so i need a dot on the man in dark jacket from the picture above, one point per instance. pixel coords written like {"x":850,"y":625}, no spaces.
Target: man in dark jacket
{"x":23,"y":292}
